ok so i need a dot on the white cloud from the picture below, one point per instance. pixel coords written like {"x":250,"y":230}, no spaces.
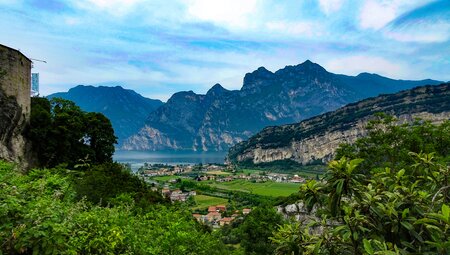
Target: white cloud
{"x":330,"y":6}
{"x":375,"y":14}
{"x":291,"y":28}
{"x":423,"y":32}
{"x":113,"y":7}
{"x":356,"y":64}
{"x":229,"y":13}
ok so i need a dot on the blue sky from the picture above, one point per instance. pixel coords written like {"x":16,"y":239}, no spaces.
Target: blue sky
{"x":158,"y":47}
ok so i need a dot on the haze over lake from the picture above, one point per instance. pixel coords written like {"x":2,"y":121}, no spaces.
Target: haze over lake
{"x":138,"y":158}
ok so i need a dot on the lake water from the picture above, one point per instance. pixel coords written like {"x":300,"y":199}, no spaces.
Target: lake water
{"x":138,"y":158}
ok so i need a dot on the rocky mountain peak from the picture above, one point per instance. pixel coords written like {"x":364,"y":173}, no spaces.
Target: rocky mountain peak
{"x":257,"y":77}
{"x":214,"y":122}
{"x":216,"y":90}
{"x":305,"y":68}
{"x":182,"y":96}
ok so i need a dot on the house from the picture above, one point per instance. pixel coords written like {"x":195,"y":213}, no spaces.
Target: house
{"x":177,"y":191}
{"x":198,"y":217}
{"x":221,"y":208}
{"x":212,"y":209}
{"x":246,"y":211}
{"x":228,"y":179}
{"x":225,"y":221}
{"x":213,"y":217}
{"x":165,"y":192}
{"x":297,"y":179}
{"x":192,"y":193}
{"x":178,"y":197}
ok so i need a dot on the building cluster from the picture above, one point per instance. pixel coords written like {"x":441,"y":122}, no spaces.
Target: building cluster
{"x":254,"y":178}
{"x":215,"y":216}
{"x":162,"y":170}
{"x":177,"y":194}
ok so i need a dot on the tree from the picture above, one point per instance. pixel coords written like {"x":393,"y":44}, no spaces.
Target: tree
{"x":100,"y":136}
{"x":61,"y":132}
{"x":257,"y":228}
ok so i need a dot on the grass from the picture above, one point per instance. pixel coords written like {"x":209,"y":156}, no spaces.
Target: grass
{"x":165,"y":178}
{"x":249,"y":171}
{"x":274,"y":189}
{"x":218,"y":173}
{"x":310,"y":171}
{"x":204,"y":201}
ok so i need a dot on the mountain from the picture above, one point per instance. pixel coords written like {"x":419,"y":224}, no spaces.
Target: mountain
{"x":221,"y":118}
{"x":317,"y":138}
{"x":126,"y":109}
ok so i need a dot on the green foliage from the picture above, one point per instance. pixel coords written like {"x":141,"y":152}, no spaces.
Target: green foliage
{"x":100,"y":184}
{"x":40,"y":214}
{"x":394,"y":200}
{"x":389,"y":145}
{"x":62,"y":133}
{"x":257,"y":228}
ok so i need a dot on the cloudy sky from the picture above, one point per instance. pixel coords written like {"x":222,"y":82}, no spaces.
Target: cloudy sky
{"x":158,"y":47}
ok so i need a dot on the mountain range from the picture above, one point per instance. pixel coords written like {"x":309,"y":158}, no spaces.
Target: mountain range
{"x":315,"y":140}
{"x":126,"y":109}
{"x":221,"y":118}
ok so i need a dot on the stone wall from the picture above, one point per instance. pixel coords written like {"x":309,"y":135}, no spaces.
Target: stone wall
{"x":15,"y":85}
{"x":15,"y":77}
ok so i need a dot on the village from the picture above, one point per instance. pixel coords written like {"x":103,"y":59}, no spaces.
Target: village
{"x":216,"y":216}
{"x":212,"y":208}
{"x":214,"y":172}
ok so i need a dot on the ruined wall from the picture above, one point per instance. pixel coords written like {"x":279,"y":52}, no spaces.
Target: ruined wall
{"x":15,"y":85}
{"x":15,"y":77}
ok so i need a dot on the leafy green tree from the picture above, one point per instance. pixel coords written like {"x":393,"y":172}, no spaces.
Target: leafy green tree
{"x":257,"y":228}
{"x":62,"y":133}
{"x":100,"y":184}
{"x":100,"y":137}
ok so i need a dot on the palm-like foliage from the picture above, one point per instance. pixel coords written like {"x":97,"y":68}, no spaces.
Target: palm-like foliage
{"x":312,"y":193}
{"x":343,"y":181}
{"x":399,"y":206}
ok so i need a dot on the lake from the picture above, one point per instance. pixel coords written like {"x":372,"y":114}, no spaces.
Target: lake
{"x":138,"y":158}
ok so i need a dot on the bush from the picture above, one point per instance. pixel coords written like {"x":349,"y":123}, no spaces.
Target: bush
{"x":40,"y":214}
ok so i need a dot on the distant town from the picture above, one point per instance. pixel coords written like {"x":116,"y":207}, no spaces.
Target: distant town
{"x":208,"y":188}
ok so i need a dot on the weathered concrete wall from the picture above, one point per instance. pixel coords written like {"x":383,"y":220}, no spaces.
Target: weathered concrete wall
{"x":15,"y":77}
{"x":15,"y":109}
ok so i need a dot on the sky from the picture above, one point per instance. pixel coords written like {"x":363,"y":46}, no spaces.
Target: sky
{"x":159,"y":47}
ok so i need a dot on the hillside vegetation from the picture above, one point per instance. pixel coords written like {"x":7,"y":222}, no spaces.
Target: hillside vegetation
{"x":102,"y":210}
{"x":379,"y":197}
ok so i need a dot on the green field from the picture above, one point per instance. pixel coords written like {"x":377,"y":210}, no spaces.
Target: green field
{"x":274,"y":189}
{"x":218,"y":173}
{"x":205,"y":201}
{"x":249,"y":171}
{"x":165,"y":178}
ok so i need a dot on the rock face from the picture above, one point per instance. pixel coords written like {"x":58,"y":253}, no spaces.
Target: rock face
{"x":316,"y":139}
{"x":222,"y":118}
{"x":15,"y":83}
{"x":126,"y":109}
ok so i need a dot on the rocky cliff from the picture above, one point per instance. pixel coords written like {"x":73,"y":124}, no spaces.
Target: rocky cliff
{"x":316,"y":139}
{"x":222,"y":118}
